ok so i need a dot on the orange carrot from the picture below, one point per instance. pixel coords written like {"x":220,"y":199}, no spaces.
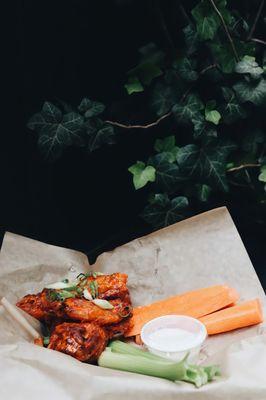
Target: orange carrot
{"x":196,"y":303}
{"x":239,"y":316}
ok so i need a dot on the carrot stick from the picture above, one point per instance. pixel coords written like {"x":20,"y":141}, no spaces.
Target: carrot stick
{"x":239,"y":316}
{"x":196,"y":303}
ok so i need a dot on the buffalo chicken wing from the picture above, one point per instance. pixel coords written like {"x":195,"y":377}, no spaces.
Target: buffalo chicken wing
{"x":84,"y":341}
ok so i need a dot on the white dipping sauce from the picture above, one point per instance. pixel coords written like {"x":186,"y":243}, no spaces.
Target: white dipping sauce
{"x":171,"y":339}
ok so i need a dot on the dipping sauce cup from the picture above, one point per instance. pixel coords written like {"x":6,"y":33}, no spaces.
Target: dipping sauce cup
{"x":173,"y":336}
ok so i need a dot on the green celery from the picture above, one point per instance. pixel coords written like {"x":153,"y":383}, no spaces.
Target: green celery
{"x":123,"y":356}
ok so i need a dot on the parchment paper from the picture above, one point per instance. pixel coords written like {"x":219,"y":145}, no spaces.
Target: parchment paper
{"x":194,"y":253}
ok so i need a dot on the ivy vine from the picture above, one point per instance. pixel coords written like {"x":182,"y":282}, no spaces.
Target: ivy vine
{"x":211,"y":97}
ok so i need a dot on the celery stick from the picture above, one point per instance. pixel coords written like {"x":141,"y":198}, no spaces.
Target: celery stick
{"x":118,"y":346}
{"x":142,"y":365}
{"x":126,"y":357}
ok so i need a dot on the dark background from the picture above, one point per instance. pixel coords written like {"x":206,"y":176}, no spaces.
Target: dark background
{"x":67,"y":50}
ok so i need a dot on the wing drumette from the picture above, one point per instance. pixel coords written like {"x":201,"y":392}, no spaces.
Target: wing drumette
{"x":84,"y":310}
{"x":84,"y":341}
{"x":109,"y":286}
{"x":41,"y":306}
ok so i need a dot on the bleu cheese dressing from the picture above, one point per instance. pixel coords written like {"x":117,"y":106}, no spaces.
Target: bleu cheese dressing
{"x":171,"y":339}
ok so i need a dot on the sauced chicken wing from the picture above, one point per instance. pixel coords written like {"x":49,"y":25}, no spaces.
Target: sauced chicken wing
{"x":117,"y":330}
{"x":84,"y":310}
{"x":32,"y":304}
{"x":41,"y":305}
{"x":109,"y":286}
{"x":84,"y":341}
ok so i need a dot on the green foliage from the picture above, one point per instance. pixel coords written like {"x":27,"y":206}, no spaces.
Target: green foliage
{"x":58,"y":129}
{"x":207,"y":20}
{"x":90,"y":108}
{"x":210,"y":91}
{"x":142,"y":174}
{"x":162,"y":211}
{"x":185,"y":111}
{"x":211,"y":114}
{"x":232,"y":110}
{"x":248,"y":65}
{"x":168,"y":147}
{"x":223,"y":53}
{"x":133,"y":85}
{"x":262,"y":175}
{"x":251,"y":91}
{"x":147,"y":69}
{"x":185,"y":67}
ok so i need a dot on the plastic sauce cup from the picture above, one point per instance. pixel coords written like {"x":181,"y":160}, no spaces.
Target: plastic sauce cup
{"x":172,"y":345}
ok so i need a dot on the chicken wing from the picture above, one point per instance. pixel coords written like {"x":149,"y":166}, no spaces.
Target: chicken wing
{"x":84,"y":341}
{"x":41,"y":306}
{"x":32,"y":304}
{"x":109,"y":286}
{"x":117,"y":330}
{"x":84,"y":310}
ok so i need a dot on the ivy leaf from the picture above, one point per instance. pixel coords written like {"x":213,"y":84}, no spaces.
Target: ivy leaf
{"x":54,"y":137}
{"x":191,"y":39}
{"x":167,"y":145}
{"x":148,"y":68}
{"x":163,"y":98}
{"x":202,"y":128}
{"x":186,"y":69}
{"x":168,"y":174}
{"x":90,"y":108}
{"x":208,"y":162}
{"x":98,"y":133}
{"x":149,"y":72}
{"x":51,"y":113}
{"x":48,"y":116}
{"x":232,"y":110}
{"x":187,"y":110}
{"x":253,"y":91}
{"x":162,"y":211}
{"x":37,"y":122}
{"x":223,"y":54}
{"x":142,"y":174}
{"x":253,"y":141}
{"x":262,"y":175}
{"x":212,"y":115}
{"x":207,"y":20}
{"x":203,"y":192}
{"x":133,"y":85}
{"x":248,"y":65}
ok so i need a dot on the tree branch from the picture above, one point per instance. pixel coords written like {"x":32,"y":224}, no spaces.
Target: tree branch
{"x":252,"y":30}
{"x":150,"y":125}
{"x":258,"y":41}
{"x":225,"y":29}
{"x":243,"y":166}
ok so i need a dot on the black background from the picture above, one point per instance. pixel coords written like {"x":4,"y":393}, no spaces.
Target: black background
{"x":67,"y":50}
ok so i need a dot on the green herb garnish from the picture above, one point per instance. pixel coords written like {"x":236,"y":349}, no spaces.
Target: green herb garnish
{"x":89,"y":274}
{"x":46,"y":340}
{"x":59,"y":295}
{"x":93,"y":285}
